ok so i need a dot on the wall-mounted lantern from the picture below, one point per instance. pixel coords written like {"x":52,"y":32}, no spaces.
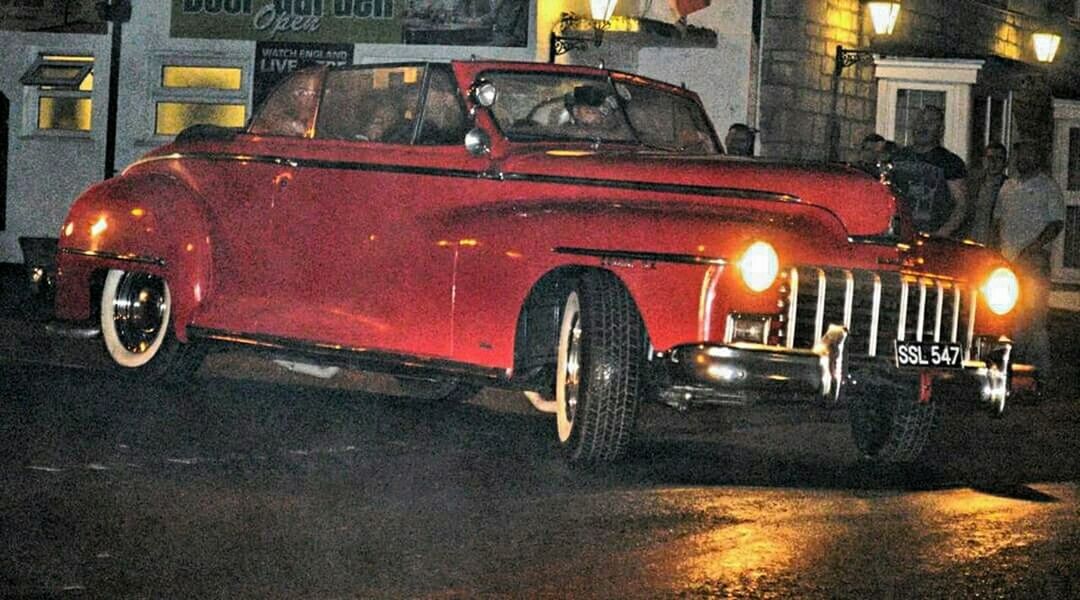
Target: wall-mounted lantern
{"x":600,"y":13}
{"x":1046,"y":46}
{"x":883,"y":15}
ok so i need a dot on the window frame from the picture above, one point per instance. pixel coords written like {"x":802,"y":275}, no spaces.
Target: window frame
{"x":159,"y":93}
{"x":1066,"y":118}
{"x":35,"y":89}
{"x":955,"y":77}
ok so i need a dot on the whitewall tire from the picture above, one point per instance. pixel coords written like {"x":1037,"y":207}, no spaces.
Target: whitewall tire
{"x":136,"y":313}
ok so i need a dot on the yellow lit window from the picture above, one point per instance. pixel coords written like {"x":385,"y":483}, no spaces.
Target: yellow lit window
{"x":174,"y":117}
{"x":196,"y":91}
{"x":214,"y":78}
{"x":62,"y":86}
{"x":72,"y":114}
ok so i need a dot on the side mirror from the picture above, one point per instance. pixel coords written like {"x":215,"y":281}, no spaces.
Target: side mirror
{"x":483,"y":93}
{"x":477,"y":142}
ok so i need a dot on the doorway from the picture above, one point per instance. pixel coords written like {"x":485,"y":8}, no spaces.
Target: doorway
{"x":5,"y":108}
{"x":1066,"y":257}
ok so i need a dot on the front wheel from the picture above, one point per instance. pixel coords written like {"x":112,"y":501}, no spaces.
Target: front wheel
{"x":890,"y":424}
{"x":600,"y":370}
{"x":136,"y":325}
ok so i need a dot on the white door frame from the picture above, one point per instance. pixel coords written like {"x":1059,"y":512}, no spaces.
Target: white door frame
{"x":1066,"y":118}
{"x":952,"y":76}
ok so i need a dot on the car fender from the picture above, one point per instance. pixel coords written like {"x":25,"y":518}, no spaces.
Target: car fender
{"x":512,"y":246}
{"x":146,"y":221}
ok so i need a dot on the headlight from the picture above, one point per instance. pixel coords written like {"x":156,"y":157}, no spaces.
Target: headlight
{"x":1002,"y":290}
{"x":759,"y":266}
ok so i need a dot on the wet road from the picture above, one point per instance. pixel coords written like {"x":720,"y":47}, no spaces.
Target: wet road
{"x":267,"y":487}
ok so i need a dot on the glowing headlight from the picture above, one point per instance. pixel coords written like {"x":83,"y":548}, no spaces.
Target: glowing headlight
{"x":1002,"y":290}
{"x":759,"y":266}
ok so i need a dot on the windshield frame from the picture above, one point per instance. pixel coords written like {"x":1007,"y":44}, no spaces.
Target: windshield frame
{"x":613,"y":84}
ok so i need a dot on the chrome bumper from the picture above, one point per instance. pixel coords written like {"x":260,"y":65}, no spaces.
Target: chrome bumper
{"x":826,"y":376}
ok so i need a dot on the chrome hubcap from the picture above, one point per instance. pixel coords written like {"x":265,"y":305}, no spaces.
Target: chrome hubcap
{"x":572,"y":369}
{"x":139,"y":311}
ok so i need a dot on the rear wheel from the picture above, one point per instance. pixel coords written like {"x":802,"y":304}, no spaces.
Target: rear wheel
{"x":136,"y":325}
{"x":600,"y":370}
{"x":890,"y":424}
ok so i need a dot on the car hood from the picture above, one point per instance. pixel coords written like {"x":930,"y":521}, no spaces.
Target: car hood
{"x":863,"y":204}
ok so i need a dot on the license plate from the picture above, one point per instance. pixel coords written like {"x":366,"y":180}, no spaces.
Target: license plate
{"x":929,"y":354}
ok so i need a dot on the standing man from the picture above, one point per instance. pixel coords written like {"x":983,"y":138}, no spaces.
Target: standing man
{"x":1030,"y":213}
{"x":740,"y":140}
{"x":984,"y":186}
{"x":930,"y":179}
{"x":870,"y":151}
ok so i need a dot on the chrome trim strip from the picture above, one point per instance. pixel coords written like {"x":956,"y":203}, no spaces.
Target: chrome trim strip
{"x":971,"y":323}
{"x":819,"y":316}
{"x":366,"y":357}
{"x":665,"y":257}
{"x":958,"y":290}
{"x":849,"y":297}
{"x":940,"y":310}
{"x":921,"y":322}
{"x":705,"y":302}
{"x":134,"y":258}
{"x":901,"y":324}
{"x":875,"y":316}
{"x":793,"y":308}
{"x":317,"y":164}
{"x":674,"y":188}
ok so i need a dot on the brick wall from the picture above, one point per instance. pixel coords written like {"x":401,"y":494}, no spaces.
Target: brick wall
{"x":800,"y":39}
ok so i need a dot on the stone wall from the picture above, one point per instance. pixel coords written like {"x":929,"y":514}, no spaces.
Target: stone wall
{"x":799,"y":45}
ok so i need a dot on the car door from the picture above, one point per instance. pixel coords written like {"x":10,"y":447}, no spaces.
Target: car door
{"x":363,"y":242}
{"x":242,"y":181}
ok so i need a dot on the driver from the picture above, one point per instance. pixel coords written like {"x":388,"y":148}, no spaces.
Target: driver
{"x":587,"y":106}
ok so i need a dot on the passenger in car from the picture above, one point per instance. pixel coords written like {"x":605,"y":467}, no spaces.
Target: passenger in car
{"x":290,"y":111}
{"x":385,"y":119}
{"x":587,"y":106}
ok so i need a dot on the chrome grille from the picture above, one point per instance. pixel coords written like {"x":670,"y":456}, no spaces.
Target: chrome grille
{"x":876,"y":307}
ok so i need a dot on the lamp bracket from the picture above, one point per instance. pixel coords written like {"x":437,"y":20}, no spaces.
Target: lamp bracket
{"x":561,"y":44}
{"x":845,"y":58}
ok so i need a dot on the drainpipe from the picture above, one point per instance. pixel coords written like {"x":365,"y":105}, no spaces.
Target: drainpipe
{"x":116,"y":12}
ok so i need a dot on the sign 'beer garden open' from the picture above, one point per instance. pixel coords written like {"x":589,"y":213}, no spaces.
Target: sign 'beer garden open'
{"x":289,"y":20}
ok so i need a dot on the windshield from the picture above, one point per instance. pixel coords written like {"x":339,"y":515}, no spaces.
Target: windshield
{"x":554,"y":107}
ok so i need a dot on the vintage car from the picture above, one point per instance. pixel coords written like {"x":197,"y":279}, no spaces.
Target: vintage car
{"x":571,"y":232}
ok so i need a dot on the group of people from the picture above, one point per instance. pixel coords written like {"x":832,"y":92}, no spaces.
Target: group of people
{"x":1009,"y":203}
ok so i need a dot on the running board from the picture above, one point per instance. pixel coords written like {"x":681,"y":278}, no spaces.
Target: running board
{"x":70,"y":330}
{"x":363,"y":359}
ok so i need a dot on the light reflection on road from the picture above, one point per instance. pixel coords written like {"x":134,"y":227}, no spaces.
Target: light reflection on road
{"x":809,"y":542}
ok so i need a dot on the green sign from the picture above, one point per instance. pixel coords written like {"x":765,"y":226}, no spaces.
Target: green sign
{"x":346,"y":21}
{"x":71,"y":16}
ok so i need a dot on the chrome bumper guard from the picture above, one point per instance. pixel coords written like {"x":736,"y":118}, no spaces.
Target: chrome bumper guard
{"x":826,"y":376}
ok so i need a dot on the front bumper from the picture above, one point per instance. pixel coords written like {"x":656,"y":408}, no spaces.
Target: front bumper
{"x":745,"y":374}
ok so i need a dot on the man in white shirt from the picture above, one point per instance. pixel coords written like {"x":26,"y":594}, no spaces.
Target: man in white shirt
{"x":1029,"y":215}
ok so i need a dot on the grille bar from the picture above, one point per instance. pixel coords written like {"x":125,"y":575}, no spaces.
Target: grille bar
{"x":876,"y":307}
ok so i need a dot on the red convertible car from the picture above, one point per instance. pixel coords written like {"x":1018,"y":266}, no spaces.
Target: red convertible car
{"x":570,"y":232}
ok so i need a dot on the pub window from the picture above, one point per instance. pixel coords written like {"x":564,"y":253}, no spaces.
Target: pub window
{"x":1070,"y":257}
{"x":199,"y":92}
{"x":908,"y":103}
{"x":60,"y":88}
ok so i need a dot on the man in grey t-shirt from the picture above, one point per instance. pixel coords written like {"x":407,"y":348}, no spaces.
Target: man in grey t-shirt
{"x":1029,"y":215}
